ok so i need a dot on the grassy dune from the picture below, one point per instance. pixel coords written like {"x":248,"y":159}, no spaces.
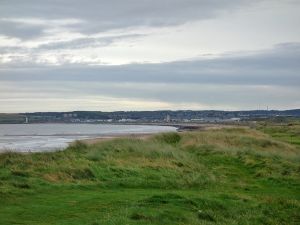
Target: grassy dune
{"x":288,"y":131}
{"x":228,"y":176}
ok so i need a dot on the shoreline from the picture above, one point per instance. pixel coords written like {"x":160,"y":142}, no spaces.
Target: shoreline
{"x":50,"y":138}
{"x":179,"y":128}
{"x":97,"y":139}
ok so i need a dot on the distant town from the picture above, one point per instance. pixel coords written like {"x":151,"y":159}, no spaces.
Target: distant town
{"x":166,"y":116}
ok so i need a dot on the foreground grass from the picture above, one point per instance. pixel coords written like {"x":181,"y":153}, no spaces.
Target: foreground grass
{"x":229,"y":176}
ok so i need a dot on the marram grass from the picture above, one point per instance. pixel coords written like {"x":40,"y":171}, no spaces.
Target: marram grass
{"x":228,"y":176}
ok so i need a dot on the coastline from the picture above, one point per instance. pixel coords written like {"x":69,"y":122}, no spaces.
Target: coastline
{"x":179,"y":128}
{"x":56,"y":137}
{"x":96,"y":138}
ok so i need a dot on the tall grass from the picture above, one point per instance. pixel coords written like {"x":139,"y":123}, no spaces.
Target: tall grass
{"x":227,"y":176}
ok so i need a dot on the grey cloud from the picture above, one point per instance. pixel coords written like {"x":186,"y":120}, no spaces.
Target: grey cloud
{"x":32,"y":53}
{"x":266,"y":78}
{"x":87,"y":42}
{"x":247,"y":96}
{"x":102,"y":15}
{"x":24,"y":31}
{"x":241,"y":80}
{"x":278,"y":66}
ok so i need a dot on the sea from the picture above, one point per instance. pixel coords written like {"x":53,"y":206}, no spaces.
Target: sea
{"x":50,"y":137}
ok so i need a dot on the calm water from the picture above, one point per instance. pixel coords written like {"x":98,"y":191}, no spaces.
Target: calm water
{"x":45,"y":137}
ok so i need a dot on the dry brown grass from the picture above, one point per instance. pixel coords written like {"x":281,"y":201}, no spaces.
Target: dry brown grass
{"x":56,"y":177}
{"x":238,"y":139}
{"x":144,"y":162}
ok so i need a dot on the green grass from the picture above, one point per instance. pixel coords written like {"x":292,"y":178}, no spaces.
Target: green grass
{"x":229,"y":176}
{"x":288,"y":131}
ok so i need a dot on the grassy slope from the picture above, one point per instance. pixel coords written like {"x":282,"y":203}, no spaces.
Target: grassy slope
{"x":229,"y":176}
{"x":288,"y":131}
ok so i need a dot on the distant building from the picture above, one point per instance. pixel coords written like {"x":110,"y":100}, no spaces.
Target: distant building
{"x":168,"y":118}
{"x":234,"y":119}
{"x":69,"y":115}
{"x":197,"y":120}
{"x":126,"y":120}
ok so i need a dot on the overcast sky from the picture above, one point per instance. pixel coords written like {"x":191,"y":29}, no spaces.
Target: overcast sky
{"x":63,"y":55}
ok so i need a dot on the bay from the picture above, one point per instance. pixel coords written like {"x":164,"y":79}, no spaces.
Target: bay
{"x":49,"y":137}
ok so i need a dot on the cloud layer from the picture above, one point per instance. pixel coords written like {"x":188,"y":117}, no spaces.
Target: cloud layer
{"x":266,"y":78}
{"x":141,"y":54}
{"x":31,"y":18}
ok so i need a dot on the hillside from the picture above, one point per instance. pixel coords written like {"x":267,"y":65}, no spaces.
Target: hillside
{"x":227,"y":176}
{"x":148,"y":116}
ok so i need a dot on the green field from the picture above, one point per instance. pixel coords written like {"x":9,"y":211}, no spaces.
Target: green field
{"x":228,"y":176}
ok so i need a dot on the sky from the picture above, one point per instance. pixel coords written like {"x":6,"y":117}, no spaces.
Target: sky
{"x":65,"y":55}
